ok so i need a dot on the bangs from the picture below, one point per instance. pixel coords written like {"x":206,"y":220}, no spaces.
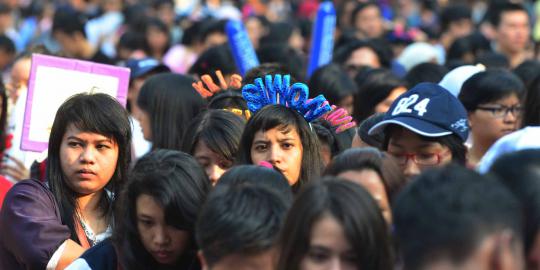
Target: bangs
{"x":494,"y":97}
{"x":280,"y":117}
{"x":220,"y":144}
{"x":175,"y":212}
{"x":92,"y":116}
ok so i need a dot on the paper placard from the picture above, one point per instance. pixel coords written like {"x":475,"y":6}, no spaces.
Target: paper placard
{"x":52,"y":81}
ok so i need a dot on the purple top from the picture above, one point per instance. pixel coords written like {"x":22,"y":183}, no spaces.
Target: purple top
{"x":31,"y":229}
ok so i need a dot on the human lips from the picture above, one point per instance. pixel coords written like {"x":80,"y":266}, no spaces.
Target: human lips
{"x":162,"y":255}
{"x":508,"y":130}
{"x":85,"y":173}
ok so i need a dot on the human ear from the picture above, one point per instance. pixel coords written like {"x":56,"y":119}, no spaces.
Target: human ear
{"x":470,"y":118}
{"x":202,"y":260}
{"x":507,"y":252}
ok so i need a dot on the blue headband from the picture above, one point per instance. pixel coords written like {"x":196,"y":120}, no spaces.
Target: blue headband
{"x":276,"y":89}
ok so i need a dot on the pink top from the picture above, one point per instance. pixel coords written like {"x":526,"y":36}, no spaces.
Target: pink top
{"x":179,"y":59}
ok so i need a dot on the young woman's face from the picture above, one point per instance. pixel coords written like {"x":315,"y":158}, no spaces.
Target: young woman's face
{"x":328,"y":247}
{"x":406,"y":146}
{"x":88,"y":160}
{"x":157,"y":39}
{"x":164,"y":242}
{"x":144,"y":121}
{"x":491,"y":121}
{"x":369,"y":22}
{"x":213,"y":163}
{"x":373,"y":183}
{"x":360,"y":57}
{"x":282,"y":148}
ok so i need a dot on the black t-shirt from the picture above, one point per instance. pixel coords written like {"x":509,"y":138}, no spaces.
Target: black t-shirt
{"x":100,"y":57}
{"x":100,"y":257}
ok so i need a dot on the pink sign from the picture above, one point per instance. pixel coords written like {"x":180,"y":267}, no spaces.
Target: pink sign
{"x":52,"y":81}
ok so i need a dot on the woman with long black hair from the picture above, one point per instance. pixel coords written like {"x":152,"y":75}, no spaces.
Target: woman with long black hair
{"x":47,"y":226}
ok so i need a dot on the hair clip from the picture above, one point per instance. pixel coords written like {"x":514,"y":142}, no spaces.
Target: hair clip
{"x":339,"y":119}
{"x":276,"y":89}
{"x":266,"y":164}
{"x":242,"y":113}
{"x":212,"y":88}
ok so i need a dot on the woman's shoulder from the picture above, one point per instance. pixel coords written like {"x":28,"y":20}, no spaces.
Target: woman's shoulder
{"x":32,"y":228}
{"x":29,"y":191}
{"x":30,"y":184}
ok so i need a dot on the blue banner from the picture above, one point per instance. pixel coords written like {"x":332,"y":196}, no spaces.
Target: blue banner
{"x":241,"y":47}
{"x":322,"y":42}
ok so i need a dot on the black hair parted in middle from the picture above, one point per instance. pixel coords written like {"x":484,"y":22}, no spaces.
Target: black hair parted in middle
{"x":283,"y":118}
{"x":179,"y":185}
{"x":95,"y":113}
{"x":353,"y":208}
{"x":171,"y":103}
{"x":370,"y":158}
{"x":220,"y":130}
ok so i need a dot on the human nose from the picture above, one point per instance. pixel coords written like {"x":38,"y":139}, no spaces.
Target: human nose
{"x":214,"y":172}
{"x":275,"y":155}
{"x":335,"y":264}
{"x":510,"y":115}
{"x":161,"y":236}
{"x":410,"y":169}
{"x":88,"y":155}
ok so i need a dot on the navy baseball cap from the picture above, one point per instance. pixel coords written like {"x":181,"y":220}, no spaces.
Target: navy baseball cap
{"x":428,"y":110}
{"x":140,"y":67}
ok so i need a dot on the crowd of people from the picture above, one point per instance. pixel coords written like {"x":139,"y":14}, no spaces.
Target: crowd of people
{"x":416,"y":147}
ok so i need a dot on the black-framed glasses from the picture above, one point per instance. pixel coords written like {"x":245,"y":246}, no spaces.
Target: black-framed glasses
{"x":501,"y":111}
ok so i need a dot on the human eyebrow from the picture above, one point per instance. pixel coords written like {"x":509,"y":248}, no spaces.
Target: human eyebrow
{"x":260,"y":142}
{"x":316,"y":247}
{"x":428,"y":145}
{"x":75,"y":138}
{"x":144,"y":216}
{"x":395,"y":144}
{"x":286,"y":140}
{"x":105,"y":141}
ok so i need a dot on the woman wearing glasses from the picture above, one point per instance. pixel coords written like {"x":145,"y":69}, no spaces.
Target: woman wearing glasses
{"x":425,"y":127}
{"x":493,"y":102}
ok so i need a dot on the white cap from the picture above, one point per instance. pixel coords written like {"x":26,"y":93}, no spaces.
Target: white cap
{"x":454,"y":79}
{"x":522,"y":139}
{"x":417,"y":53}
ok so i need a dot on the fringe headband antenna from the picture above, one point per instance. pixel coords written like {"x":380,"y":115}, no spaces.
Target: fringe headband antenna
{"x":339,"y":119}
{"x":212,"y":88}
{"x":276,"y":89}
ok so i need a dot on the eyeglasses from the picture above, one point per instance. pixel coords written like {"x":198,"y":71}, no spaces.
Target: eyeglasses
{"x":427,"y":159}
{"x":502,"y":111}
